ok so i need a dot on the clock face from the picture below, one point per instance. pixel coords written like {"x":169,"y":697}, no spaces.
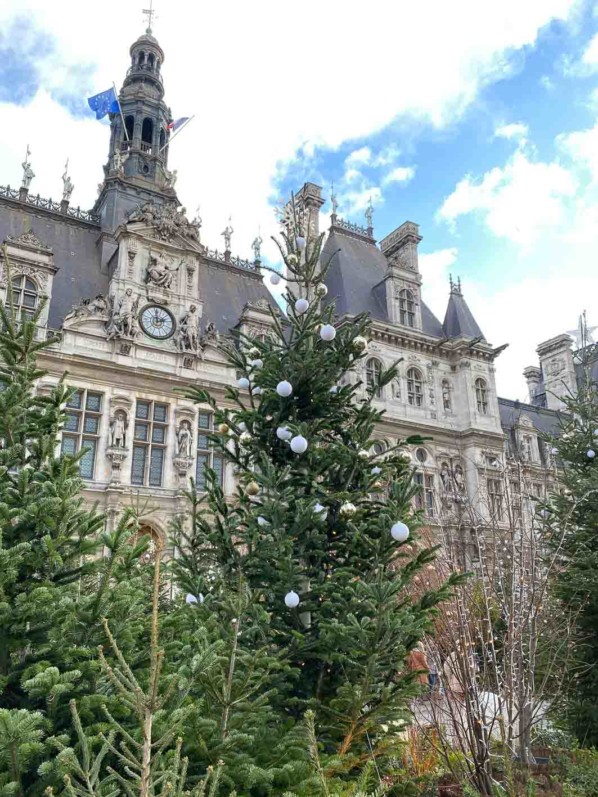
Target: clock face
{"x":157,"y":322}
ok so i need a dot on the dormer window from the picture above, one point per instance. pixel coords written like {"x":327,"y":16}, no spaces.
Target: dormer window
{"x":25,"y":297}
{"x":406,"y":308}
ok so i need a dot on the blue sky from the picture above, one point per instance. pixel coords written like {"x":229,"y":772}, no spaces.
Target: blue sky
{"x":478,"y":121}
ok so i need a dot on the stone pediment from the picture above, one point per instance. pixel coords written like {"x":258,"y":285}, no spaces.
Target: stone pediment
{"x":165,"y":223}
{"x":176,"y":241}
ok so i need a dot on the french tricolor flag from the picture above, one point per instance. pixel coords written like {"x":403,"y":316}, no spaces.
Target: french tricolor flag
{"x":177,"y":123}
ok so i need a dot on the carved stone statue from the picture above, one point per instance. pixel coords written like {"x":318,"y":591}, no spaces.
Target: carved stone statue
{"x":446,"y":396}
{"x":118,"y":430}
{"x":166,"y":220}
{"x":333,"y":200}
{"x":189,"y":330}
{"x":158,"y":272}
{"x":28,"y":173}
{"x":123,"y":320}
{"x":171,"y":178}
{"x":118,"y":162}
{"x":459,"y":479}
{"x":446,"y":478}
{"x":256,"y":246}
{"x":67,"y":184}
{"x":87,"y":307}
{"x":227,"y":235}
{"x":184,"y":440}
{"x":211,"y":334}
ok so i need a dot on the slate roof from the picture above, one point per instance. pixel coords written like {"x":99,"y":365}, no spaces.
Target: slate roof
{"x":459,"y":320}
{"x":357,"y":269}
{"x":225,"y":291}
{"x":545,"y":422}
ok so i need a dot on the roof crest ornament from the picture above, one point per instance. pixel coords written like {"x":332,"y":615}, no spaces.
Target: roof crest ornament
{"x":151,"y":15}
{"x":455,"y":286}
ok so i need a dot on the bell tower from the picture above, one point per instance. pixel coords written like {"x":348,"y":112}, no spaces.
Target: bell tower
{"x":137,"y":168}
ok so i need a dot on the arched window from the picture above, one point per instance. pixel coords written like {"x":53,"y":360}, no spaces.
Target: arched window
{"x":151,"y":60}
{"x":378,"y":448}
{"x":373,"y":369}
{"x":141,"y":58}
{"x":25,"y":297}
{"x":162,"y":139}
{"x":406,"y":308}
{"x":415,"y":388}
{"x":481,"y":396}
{"x":129,"y":124}
{"x":147,"y":130}
{"x":446,"y":394}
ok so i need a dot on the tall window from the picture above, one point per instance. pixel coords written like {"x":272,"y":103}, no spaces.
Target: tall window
{"x":481,"y":396}
{"x":82,"y":429}
{"x":373,"y":369}
{"x":494,"y":487}
{"x":415,"y":388}
{"x":446,"y":394}
{"x":207,"y":457}
{"x":424,"y":499}
{"x":149,"y":444}
{"x":406,"y":308}
{"x":24,"y":296}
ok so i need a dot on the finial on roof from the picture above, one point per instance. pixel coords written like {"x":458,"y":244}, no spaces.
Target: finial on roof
{"x":456,"y":285}
{"x":369,"y":214}
{"x":150,"y":13}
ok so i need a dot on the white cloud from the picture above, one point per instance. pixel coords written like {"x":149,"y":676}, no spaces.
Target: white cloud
{"x":590,"y":55}
{"x":401,"y":174}
{"x":387,"y":155}
{"x":435,"y":268}
{"x":352,"y":202}
{"x":351,"y":175}
{"x":518,"y":201}
{"x":359,"y":156}
{"x":514,"y":130}
{"x":582,"y":147}
{"x":251,"y":114}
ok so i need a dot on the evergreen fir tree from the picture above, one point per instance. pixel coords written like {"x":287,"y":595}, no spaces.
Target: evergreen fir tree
{"x":571,"y":521}
{"x":319,"y":528}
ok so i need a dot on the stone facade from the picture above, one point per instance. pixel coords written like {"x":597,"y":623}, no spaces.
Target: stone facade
{"x":143,"y":307}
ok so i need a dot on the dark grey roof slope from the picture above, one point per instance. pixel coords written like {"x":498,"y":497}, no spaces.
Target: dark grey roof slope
{"x":225,"y":290}
{"x":76,"y":254}
{"x":356,"y":270}
{"x":459,"y":320}
{"x":544,"y":421}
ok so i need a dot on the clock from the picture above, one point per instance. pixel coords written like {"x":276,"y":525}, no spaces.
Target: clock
{"x":157,"y":322}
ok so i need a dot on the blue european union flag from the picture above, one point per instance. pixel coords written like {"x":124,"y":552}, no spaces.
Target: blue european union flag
{"x":103,"y":103}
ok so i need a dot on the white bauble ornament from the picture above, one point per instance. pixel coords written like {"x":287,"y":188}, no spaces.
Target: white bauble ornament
{"x":261,"y":521}
{"x":595,"y":432}
{"x":242,"y":426}
{"x":223,"y":428}
{"x":257,"y":363}
{"x":347,"y":509}
{"x":252,"y":488}
{"x":191,"y":599}
{"x":291,"y":600}
{"x":274,"y":278}
{"x":256,"y":391}
{"x":399,"y":531}
{"x":554,"y":451}
{"x":298,"y":444}
{"x":321,"y":289}
{"x":359,"y":343}
{"x":591,"y":453}
{"x":545,"y":513}
{"x":284,"y":388}
{"x":320,"y":510}
{"x":243,"y":382}
{"x":376,"y":471}
{"x":333,"y":389}
{"x":363,"y":454}
{"x":245,"y":438}
{"x":328,"y":332}
{"x":301,"y":306}
{"x":301,"y":243}
{"x":283,"y":433}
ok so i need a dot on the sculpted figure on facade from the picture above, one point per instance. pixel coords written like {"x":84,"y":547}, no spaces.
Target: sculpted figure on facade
{"x":459,"y":479}
{"x":165,"y":220}
{"x":211,"y":334}
{"x":185,"y":440}
{"x":159,"y":273}
{"x":189,"y":331}
{"x":257,"y":247}
{"x":446,"y":478}
{"x":88,"y":307}
{"x":67,"y":184}
{"x":123,"y":318}
{"x":227,"y":234}
{"x":171,"y":178}
{"x":28,"y":173}
{"x":118,"y":430}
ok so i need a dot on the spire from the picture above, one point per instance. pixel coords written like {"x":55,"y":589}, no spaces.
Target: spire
{"x":459,"y":321}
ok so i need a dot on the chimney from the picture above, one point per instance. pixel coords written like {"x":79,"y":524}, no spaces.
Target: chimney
{"x":558,"y":370}
{"x":533,"y":377}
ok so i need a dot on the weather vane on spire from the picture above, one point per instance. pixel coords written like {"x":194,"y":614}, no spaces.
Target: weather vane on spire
{"x":150,"y":13}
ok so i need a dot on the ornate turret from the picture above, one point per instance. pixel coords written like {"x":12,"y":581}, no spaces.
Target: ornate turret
{"x":137,"y":171}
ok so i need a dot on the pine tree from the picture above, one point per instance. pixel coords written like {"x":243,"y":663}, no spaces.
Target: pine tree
{"x":571,"y":520}
{"x":319,"y":525}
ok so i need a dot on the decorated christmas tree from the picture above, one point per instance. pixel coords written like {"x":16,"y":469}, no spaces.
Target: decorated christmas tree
{"x":571,"y":520}
{"x":321,"y":535}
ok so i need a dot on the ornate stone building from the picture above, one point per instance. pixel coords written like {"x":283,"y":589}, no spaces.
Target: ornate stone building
{"x":142,"y":303}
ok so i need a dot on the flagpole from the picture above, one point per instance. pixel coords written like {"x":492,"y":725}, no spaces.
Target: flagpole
{"x":180,"y":130}
{"x":121,"y":110}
